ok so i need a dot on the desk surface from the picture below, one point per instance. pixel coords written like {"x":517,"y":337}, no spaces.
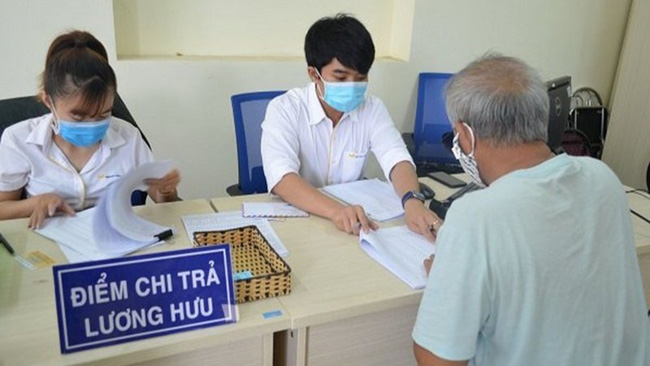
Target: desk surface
{"x":28,"y":312}
{"x":332,"y":277}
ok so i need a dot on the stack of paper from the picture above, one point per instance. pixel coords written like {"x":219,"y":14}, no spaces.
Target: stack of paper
{"x":111,"y":229}
{"x":232,"y":220}
{"x":271,"y":209}
{"x":401,"y":251}
{"x":377,"y":198}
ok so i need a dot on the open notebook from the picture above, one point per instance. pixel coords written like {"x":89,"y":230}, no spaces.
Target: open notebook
{"x":271,"y":209}
{"x":400,"y":251}
{"x":378,"y":199}
{"x":111,"y":229}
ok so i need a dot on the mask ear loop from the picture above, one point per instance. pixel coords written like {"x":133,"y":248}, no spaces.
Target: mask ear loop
{"x":55,"y":124}
{"x":471,"y":134}
{"x":322,"y":94}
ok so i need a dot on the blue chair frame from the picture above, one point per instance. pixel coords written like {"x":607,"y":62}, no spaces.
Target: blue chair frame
{"x":431,"y":120}
{"x":251,"y":178}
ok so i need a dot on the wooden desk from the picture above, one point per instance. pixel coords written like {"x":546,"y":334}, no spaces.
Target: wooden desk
{"x":345,"y":308}
{"x":28,"y":323}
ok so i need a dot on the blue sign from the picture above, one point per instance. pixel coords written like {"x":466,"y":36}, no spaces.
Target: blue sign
{"x":113,"y":301}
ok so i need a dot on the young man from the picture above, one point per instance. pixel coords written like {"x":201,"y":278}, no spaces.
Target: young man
{"x":321,"y":134}
{"x":539,"y":268}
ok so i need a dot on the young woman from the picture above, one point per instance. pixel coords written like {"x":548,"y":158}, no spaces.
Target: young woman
{"x":64,"y":161}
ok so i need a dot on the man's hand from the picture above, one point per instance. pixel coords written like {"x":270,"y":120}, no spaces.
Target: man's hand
{"x":428,"y":263}
{"x":351,"y":219}
{"x":421,"y":220}
{"x":47,"y":205}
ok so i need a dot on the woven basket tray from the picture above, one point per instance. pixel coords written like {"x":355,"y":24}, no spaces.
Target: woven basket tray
{"x":271,"y":275}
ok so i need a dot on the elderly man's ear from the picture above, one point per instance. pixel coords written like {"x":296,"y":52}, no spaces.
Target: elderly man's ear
{"x":464,"y":137}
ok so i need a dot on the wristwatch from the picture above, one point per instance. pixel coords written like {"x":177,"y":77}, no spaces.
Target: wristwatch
{"x":412,"y":194}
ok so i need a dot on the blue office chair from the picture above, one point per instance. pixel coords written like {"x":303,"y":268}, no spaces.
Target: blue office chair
{"x":431,"y":126}
{"x":19,"y":109}
{"x":431,"y":121}
{"x":248,"y":111}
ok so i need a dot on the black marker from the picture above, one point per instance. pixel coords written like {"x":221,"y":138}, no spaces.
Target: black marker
{"x":6,"y":244}
{"x":164,"y":235}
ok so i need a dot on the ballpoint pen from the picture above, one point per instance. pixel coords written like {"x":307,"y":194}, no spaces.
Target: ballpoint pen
{"x":6,"y":244}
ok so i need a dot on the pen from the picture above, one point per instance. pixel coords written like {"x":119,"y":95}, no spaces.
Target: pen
{"x":6,"y":244}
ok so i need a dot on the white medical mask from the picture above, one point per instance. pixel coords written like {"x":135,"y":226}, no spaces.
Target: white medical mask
{"x":344,"y":96}
{"x":468,"y":161}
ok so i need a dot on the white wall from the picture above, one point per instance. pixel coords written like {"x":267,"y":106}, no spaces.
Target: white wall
{"x":28,"y":27}
{"x":183,"y":105}
{"x":627,"y":148}
{"x":268,"y":28}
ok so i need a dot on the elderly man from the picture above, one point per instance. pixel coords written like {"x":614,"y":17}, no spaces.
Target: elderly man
{"x":540,"y":267}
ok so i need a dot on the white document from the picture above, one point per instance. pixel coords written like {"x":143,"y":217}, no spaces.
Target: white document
{"x":377,"y":198}
{"x":401,"y":251}
{"x":111,"y":229}
{"x":116,"y":226}
{"x":232,"y":220}
{"x":271,"y":209}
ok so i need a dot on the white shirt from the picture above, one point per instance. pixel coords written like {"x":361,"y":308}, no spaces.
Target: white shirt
{"x":29,"y":158}
{"x":298,"y":137}
{"x":540,"y":268}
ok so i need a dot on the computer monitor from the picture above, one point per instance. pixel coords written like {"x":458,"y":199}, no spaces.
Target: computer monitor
{"x":431,"y":122}
{"x":559,"y":95}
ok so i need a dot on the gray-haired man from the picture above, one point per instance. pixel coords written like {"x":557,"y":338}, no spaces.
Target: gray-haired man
{"x":540,"y":267}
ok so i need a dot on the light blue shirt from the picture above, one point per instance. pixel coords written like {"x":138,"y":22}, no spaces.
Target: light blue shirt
{"x":540,"y":268}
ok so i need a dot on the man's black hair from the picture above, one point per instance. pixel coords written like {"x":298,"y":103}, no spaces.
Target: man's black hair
{"x":342,"y":37}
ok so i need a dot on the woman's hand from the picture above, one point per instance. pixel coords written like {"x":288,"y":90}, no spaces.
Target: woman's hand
{"x":47,"y":205}
{"x":164,"y":189}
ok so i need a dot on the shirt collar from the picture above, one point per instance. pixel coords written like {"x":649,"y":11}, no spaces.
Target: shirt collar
{"x":42,"y":134}
{"x":112,"y":138}
{"x":316,"y":111}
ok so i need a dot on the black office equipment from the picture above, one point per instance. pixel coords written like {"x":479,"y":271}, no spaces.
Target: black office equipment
{"x":441,"y":207}
{"x":576,"y":143}
{"x":592,"y":121}
{"x":427,"y":192}
{"x":559,"y":95}
{"x":447,"y":179}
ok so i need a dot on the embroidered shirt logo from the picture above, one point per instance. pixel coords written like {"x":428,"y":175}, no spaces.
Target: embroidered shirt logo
{"x":109,"y":176}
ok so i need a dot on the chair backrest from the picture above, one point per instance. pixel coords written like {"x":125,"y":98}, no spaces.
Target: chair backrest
{"x":575,"y":142}
{"x":19,"y":109}
{"x":248,"y":111}
{"x":431,"y":121}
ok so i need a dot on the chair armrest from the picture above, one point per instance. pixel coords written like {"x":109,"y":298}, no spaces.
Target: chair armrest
{"x":234,"y":190}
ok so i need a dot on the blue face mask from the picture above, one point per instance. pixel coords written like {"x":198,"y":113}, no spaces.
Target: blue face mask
{"x":344,"y":96}
{"x":82,"y":133}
